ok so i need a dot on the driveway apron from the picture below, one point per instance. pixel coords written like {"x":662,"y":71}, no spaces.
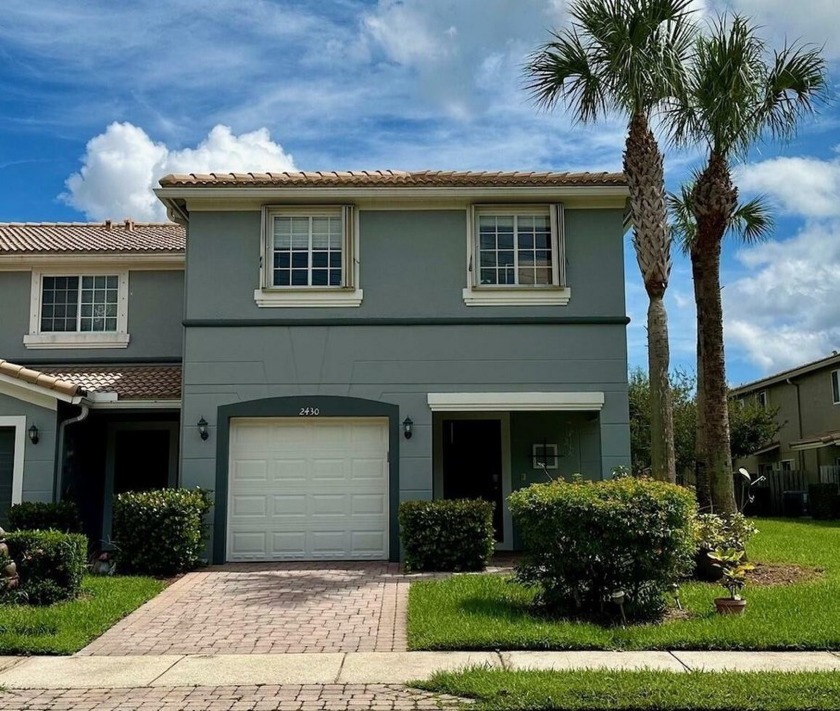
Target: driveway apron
{"x":249,"y":608}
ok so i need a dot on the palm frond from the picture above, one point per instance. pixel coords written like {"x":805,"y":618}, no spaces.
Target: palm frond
{"x":683,"y":224}
{"x":753,"y":220}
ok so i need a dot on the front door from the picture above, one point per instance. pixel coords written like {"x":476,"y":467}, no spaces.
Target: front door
{"x":472,"y":464}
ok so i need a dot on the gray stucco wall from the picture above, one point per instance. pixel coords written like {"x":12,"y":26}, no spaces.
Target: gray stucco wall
{"x":38,"y":463}
{"x":411,"y":264}
{"x":155,"y":313}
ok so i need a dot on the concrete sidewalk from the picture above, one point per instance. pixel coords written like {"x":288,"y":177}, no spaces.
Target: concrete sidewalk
{"x":114,"y":672}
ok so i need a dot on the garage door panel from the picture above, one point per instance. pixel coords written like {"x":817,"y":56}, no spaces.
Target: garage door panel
{"x":322,"y":485}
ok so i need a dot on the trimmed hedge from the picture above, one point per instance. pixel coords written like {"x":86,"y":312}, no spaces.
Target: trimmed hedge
{"x":586,"y":541}
{"x":40,"y":516}
{"x":822,"y":501}
{"x":50,"y":564}
{"x":161,"y":531}
{"x":446,"y":534}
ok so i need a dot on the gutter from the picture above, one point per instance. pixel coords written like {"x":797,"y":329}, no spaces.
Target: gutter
{"x":800,"y":456}
{"x":59,"y":460}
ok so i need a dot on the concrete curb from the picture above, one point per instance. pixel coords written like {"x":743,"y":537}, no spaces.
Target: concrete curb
{"x":90,"y":672}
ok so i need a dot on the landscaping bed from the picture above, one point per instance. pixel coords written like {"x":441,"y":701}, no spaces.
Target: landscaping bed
{"x":487,"y":612}
{"x":66,"y":627}
{"x":642,"y":690}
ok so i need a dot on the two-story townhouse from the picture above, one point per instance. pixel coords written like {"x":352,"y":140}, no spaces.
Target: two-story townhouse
{"x":808,"y":402}
{"x":357,"y":339}
{"x":348,"y":340}
{"x":90,"y":376}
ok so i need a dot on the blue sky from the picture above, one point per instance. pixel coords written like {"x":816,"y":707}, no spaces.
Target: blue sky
{"x":101,"y":99}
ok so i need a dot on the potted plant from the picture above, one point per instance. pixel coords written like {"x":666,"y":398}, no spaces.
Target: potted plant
{"x":734,"y":569}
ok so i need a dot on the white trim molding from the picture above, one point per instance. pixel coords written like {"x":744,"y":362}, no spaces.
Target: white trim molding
{"x":34,"y":394}
{"x":516,"y":402}
{"x":18,"y":422}
{"x":84,"y":262}
{"x":488,"y":296}
{"x":77,"y":339}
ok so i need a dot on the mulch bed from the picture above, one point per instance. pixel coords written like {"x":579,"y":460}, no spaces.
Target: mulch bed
{"x":766,"y":574}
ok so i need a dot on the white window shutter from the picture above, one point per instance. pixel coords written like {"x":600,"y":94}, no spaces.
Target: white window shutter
{"x":558,"y":229}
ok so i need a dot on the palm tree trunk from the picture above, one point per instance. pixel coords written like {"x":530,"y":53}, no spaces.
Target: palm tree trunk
{"x":702,"y":484}
{"x":652,"y":242}
{"x":715,"y":197}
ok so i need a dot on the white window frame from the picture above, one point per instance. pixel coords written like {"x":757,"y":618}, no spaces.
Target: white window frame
{"x":762,"y":399}
{"x":557,"y":293}
{"x":549,"y":451}
{"x":18,"y":423}
{"x":347,"y":295}
{"x":77,"y":339}
{"x":835,"y":386}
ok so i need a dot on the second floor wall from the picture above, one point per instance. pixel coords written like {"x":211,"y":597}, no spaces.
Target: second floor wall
{"x":154,"y":311}
{"x":411,"y":264}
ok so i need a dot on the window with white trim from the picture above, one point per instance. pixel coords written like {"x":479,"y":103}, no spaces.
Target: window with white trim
{"x":87,"y":310}
{"x":835,"y":387}
{"x":516,"y":255}
{"x":763,"y":399}
{"x":309,"y":257}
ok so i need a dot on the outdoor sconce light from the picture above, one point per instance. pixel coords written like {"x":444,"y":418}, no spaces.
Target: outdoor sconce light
{"x":202,"y":429}
{"x":407,"y":425}
{"x":33,"y":434}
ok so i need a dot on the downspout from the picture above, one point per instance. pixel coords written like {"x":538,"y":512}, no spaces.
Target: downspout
{"x":800,"y":453}
{"x":59,"y":460}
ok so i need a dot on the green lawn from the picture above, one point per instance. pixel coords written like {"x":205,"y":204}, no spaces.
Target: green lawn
{"x":648,"y":690}
{"x":490,"y":612}
{"x":66,"y":627}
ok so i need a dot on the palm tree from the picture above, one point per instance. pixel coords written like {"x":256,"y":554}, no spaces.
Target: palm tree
{"x":627,"y":57}
{"x":750,"y":222}
{"x":737,"y":94}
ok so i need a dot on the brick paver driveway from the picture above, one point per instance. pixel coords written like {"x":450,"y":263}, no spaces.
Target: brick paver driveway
{"x":269,"y":608}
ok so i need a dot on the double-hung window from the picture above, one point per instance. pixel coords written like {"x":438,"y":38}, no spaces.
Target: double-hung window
{"x":835,"y":387}
{"x":516,"y":256}
{"x":309,"y":257}
{"x":86,"y":310}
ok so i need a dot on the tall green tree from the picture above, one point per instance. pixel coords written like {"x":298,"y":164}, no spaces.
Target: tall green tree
{"x":737,"y":93}
{"x":627,"y":58}
{"x":749,"y":223}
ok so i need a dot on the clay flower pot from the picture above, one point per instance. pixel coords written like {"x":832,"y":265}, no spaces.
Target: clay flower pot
{"x":729,"y":606}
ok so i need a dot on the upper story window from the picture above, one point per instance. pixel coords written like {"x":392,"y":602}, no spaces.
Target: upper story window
{"x":516,"y":256}
{"x":87,"y":310}
{"x":310,"y":257}
{"x":763,"y":399}
{"x":835,"y":386}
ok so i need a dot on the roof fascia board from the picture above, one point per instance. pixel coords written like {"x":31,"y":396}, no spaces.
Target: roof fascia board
{"x":553,"y":192}
{"x":133,"y":404}
{"x":22,"y":261}
{"x":34,"y":394}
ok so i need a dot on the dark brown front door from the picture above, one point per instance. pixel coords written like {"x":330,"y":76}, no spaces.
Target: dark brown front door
{"x":472,"y":464}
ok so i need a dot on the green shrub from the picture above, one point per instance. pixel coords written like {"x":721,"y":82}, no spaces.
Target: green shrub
{"x":714,"y":531}
{"x":159,"y":532}
{"x":446,"y":534}
{"x":585,"y":541}
{"x":821,"y":500}
{"x":50,"y":564}
{"x":40,"y":516}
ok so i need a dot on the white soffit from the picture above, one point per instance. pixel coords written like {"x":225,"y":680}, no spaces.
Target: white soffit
{"x":540,"y":402}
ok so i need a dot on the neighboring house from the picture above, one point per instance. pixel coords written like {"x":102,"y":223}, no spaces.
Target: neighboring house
{"x":808,"y":402}
{"x":348,"y":340}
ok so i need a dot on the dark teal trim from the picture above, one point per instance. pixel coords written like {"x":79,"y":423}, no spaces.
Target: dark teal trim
{"x":329,"y":406}
{"x":466,"y":321}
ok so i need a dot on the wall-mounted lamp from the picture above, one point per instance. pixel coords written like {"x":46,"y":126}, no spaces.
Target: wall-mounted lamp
{"x":407,"y":425}
{"x":202,"y":428}
{"x":34,"y":434}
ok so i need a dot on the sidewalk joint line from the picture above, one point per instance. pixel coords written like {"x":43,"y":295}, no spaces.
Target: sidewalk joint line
{"x":340,"y":667}
{"x":687,"y":668}
{"x":178,"y":658}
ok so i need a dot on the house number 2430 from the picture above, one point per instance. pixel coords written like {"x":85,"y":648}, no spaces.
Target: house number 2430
{"x":309,"y":412}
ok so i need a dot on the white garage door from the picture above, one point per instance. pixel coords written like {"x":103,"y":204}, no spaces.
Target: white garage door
{"x":304,"y":489}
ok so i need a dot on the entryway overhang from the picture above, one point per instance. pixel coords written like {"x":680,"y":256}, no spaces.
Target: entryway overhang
{"x":516,"y":402}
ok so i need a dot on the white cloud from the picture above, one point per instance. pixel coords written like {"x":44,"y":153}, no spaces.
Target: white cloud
{"x":799,"y":185}
{"x":122,"y":165}
{"x":786,"y":311}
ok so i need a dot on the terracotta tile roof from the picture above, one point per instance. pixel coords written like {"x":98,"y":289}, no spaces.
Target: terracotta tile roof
{"x":129,"y":382}
{"x":392,"y":178}
{"x":41,"y":379}
{"x":128,"y":236}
